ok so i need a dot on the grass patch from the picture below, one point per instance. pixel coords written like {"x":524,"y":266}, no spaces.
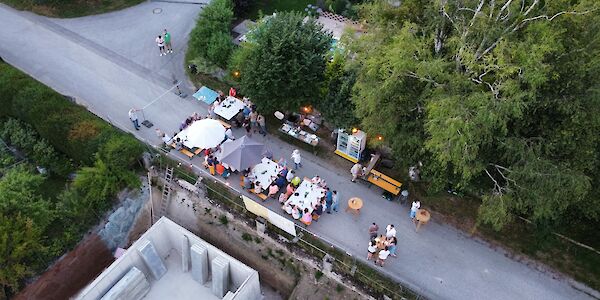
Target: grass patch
{"x":246,"y":237}
{"x":318,"y":275}
{"x":223,"y":220}
{"x":71,"y":8}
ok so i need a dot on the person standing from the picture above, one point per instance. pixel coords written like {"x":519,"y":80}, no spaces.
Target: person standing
{"x":262,"y":125}
{"x":336,"y":201}
{"x":373,"y":229}
{"x":329,"y":200}
{"x":392,"y":246}
{"x":372,"y":249}
{"x":297,"y":159}
{"x":160,"y":42}
{"x":356,"y":171}
{"x":167,"y":38}
{"x":134,"y":118}
{"x":414,"y":208}
{"x":390,"y":231}
{"x":253,"y":118}
{"x":383,"y":255}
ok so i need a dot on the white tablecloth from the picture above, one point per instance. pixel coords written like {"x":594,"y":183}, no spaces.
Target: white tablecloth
{"x":266,"y":172}
{"x":309,"y":195}
{"x":229,"y":108}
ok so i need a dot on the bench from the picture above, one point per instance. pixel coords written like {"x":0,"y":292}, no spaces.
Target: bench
{"x":187,"y":153}
{"x":385,"y":182}
{"x":198,"y":151}
{"x":184,"y":151}
{"x":225,"y":124}
{"x":261,"y":195}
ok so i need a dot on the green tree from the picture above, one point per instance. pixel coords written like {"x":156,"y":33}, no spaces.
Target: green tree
{"x":20,"y":194}
{"x":285,"y":61}
{"x":210,"y":38}
{"x":486,"y":94}
{"x":336,"y":104}
{"x":19,"y":248}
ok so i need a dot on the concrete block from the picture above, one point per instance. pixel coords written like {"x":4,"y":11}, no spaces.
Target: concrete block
{"x":152,"y":259}
{"x":199,"y":257}
{"x":185,"y":254}
{"x":220,"y":276}
{"x":132,"y":286}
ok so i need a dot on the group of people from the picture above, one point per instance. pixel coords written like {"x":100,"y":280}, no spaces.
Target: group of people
{"x":164,"y":43}
{"x":327,"y":203}
{"x":381,"y":246}
{"x":168,"y":140}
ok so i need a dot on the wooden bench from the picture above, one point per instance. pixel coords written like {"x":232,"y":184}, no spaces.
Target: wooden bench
{"x":184,"y":151}
{"x":225,"y":124}
{"x":198,"y":151}
{"x":187,"y":153}
{"x":261,"y":195}
{"x":385,"y":182}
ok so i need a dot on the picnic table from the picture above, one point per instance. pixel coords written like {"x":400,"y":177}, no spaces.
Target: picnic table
{"x":309,"y":194}
{"x":229,"y":107}
{"x":265,"y":172}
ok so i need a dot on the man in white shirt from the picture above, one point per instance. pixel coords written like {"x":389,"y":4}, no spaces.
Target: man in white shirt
{"x":390,"y":231}
{"x":134,"y":118}
{"x":297,"y":159}
{"x":356,"y":171}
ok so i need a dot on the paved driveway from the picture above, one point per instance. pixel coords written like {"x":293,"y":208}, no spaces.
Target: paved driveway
{"x":110,"y":64}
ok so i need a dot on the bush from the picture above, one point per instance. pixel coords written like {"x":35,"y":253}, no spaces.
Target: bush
{"x":120,"y":152}
{"x":210,"y":38}
{"x":70,"y":128}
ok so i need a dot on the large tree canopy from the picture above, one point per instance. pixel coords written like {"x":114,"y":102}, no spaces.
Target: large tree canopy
{"x":284,"y":62}
{"x":493,"y":96}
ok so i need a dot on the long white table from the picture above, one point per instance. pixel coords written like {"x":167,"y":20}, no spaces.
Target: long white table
{"x":229,"y":107}
{"x":266,"y":172}
{"x":309,"y":194}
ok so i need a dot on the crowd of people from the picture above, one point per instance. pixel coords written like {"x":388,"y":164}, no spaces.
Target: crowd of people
{"x":381,"y":246}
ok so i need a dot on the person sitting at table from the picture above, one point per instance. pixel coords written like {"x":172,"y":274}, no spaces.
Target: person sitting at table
{"x":273,"y":189}
{"x":295,"y":212}
{"x":226,"y":172}
{"x":257,"y":187}
{"x":296,"y":181}
{"x":289,"y":190}
{"x":282,"y":162}
{"x":196,"y":116}
{"x":280,"y":181}
{"x":220,"y":168}
{"x":290,"y":175}
{"x":317,"y":211}
{"x":188,"y":121}
{"x":166,"y":139}
{"x":316,"y":180}
{"x":282,"y":197}
{"x":283,"y":172}
{"x":247,"y":182}
{"x":178,"y":144}
{"x":287,"y":206}
{"x":306,"y":217}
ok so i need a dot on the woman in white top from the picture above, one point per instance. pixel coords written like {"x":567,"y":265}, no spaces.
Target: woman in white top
{"x":414,"y":208}
{"x":372,"y":249}
{"x":295,"y":213}
{"x":383,"y":255}
{"x":160,"y":42}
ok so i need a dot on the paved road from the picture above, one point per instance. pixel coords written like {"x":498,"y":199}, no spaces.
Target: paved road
{"x":110,"y":63}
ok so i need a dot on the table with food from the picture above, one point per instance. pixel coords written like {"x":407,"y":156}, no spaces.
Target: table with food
{"x":309,"y":194}
{"x":298,"y":133}
{"x":265,"y":172}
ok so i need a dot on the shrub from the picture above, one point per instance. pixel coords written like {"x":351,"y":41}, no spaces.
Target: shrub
{"x":208,"y":37}
{"x":120,"y":151}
